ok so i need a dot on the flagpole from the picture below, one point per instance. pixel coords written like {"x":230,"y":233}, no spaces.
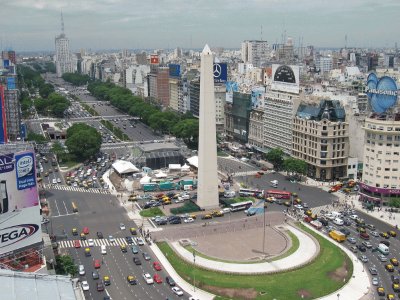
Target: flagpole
{"x":263,"y":250}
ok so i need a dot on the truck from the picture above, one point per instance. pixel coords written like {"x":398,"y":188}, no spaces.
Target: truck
{"x":337,"y":236}
{"x":166,"y":186}
{"x":316,"y":224}
{"x":150,"y":187}
{"x":184,"y":182}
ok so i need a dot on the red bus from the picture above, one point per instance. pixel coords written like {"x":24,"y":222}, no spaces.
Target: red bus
{"x":277,"y":194}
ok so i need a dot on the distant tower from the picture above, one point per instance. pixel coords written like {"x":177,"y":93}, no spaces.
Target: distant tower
{"x":345,"y":41}
{"x":63,"y":59}
{"x":207,"y":190}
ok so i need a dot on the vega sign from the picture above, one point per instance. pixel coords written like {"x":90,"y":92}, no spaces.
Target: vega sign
{"x":17,"y":233}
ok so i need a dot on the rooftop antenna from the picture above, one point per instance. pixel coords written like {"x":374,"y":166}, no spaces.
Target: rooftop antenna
{"x":62,"y":23}
{"x":261,"y":33}
{"x":345,"y":41}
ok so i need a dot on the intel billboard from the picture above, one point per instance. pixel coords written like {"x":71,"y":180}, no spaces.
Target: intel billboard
{"x":382,"y":93}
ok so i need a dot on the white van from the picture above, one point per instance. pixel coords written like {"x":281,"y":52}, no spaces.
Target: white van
{"x":382,"y":248}
{"x":336,"y":214}
{"x":103,"y":249}
{"x":229,"y":194}
{"x":274,"y":183}
{"x":338,"y":221}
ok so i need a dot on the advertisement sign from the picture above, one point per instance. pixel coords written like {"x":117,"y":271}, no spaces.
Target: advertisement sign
{"x":19,"y":204}
{"x":174,"y":70}
{"x":285,"y":78}
{"x":383,"y":191}
{"x":257,"y":97}
{"x":220,"y":71}
{"x":11,"y":83}
{"x":154,"y":59}
{"x":382,"y":93}
{"x":232,"y":86}
{"x":3,"y":120}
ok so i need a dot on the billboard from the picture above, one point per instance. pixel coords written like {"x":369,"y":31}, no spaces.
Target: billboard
{"x":11,"y":83}
{"x":154,"y":60}
{"x":19,"y":204}
{"x":174,"y":70}
{"x":382,"y":93}
{"x":220,"y":71}
{"x":3,"y":120}
{"x":257,"y":97}
{"x":285,"y":78}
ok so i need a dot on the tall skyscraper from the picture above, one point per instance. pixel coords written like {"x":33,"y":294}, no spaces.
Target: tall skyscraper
{"x":63,"y":58}
{"x":255,"y":52}
{"x":207,"y":173}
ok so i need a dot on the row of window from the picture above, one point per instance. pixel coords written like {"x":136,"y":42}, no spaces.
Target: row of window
{"x":381,"y":152}
{"x":374,"y":127}
{"x":386,"y":186}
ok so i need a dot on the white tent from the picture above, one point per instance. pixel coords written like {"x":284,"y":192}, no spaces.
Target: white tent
{"x":124,"y":167}
{"x":145,"y":179}
{"x":185,"y":168}
{"x":193,"y":161}
{"x":161,"y":175}
{"x":174,"y":167}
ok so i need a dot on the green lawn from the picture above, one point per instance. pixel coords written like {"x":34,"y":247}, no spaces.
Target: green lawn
{"x":186,"y":208}
{"x":291,"y":250}
{"x":151,"y":212}
{"x":314,"y":280}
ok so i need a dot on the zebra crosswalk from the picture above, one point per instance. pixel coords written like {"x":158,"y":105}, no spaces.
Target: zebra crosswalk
{"x":97,"y":242}
{"x":76,"y":189}
{"x":245,"y":173}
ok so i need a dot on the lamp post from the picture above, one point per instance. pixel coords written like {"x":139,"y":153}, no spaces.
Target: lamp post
{"x":194,"y":271}
{"x":338,"y":296}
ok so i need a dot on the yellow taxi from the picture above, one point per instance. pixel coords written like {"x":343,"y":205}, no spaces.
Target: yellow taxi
{"x":166,"y":202}
{"x":132,"y":198}
{"x":83,"y":236}
{"x":396,"y":287}
{"x":380,"y":290}
{"x":106,"y":280}
{"x":205,"y":217}
{"x":123,"y":248}
{"x":287,"y":203}
{"x":314,"y":216}
{"x":392,"y":233}
{"x":270,"y":199}
{"x":394,"y":262}
{"x":193,"y":216}
{"x":308,"y":212}
{"x":217,"y":213}
{"x":389,"y":267}
{"x":384,"y":234}
{"x":390,"y":296}
{"x":131,"y":279}
{"x":87,"y":252}
{"x":74,"y":231}
{"x":133,"y":230}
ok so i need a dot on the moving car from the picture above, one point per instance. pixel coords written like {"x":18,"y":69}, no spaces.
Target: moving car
{"x":87,"y":252}
{"x":100,"y":286}
{"x":77,"y":244}
{"x":122,"y":226}
{"x":111,"y":239}
{"x":381,"y":291}
{"x":99,"y":234}
{"x":373,"y":270}
{"x":147,"y":278}
{"x":74,"y":231}
{"x":90,"y":242}
{"x":157,"y":266}
{"x":177,"y":291}
{"x":82,"y":270}
{"x":96,"y":264}
{"x":135,"y":249}
{"x":157,"y":278}
{"x":389,"y":267}
{"x":394,"y":262}
{"x":85,"y":230}
{"x":131,"y":279}
{"x":140,"y":241}
{"x":85,"y":285}
{"x":106,"y":280}
{"x":137,"y":261}
{"x":146,"y":256}
{"x":95,"y":275}
{"x":170,"y":281}
{"x":123,"y":248}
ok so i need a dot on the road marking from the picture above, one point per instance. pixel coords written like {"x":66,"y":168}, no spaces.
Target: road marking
{"x":55,"y":201}
{"x":63,"y":215}
{"x":65,"y":206}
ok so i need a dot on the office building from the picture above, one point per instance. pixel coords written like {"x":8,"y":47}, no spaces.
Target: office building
{"x":324,"y":64}
{"x":321,"y":139}
{"x":63,"y":59}
{"x":256,"y":128}
{"x":158,"y":85}
{"x":237,"y":117}
{"x":255,"y":52}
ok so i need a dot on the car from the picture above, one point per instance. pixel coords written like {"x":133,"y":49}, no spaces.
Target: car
{"x":146,"y":256}
{"x":394,"y":262}
{"x":95,"y":275}
{"x":123,"y":248}
{"x":58,"y":179}
{"x":157,"y":266}
{"x":387,"y":243}
{"x":87,"y":252}
{"x":111,"y":239}
{"x":361,"y":248}
{"x":85,"y":230}
{"x":81,"y":269}
{"x":384,"y":235}
{"x":85,"y":285}
{"x":131,"y":279}
{"x":367,"y":244}
{"x":364,"y":236}
{"x":74,"y":231}
{"x":99,"y":234}
{"x":373,"y":270}
{"x":122,"y":226}
{"x":375,"y":281}
{"x":381,"y":291}
{"x":54,"y":181}
{"x":177,"y":291}
{"x":345,"y":231}
{"x":147,"y":278}
{"x":103,"y":249}
{"x":390,"y":297}
{"x":206,"y":217}
{"x":374,"y":233}
{"x":354,"y":217}
{"x":137,"y":261}
{"x":354,"y":249}
{"x":188,"y":220}
{"x":96,"y":264}
{"x":352,"y":240}
{"x":106,"y":280}
{"x":389,"y":267}
{"x":133,"y":230}
{"x":298,"y":206}
{"x":100,"y":286}
{"x":363,"y":258}
{"x":135,"y":250}
{"x":370,"y":226}
{"x":170,"y":281}
{"x":90,"y":242}
{"x":157,"y":278}
{"x":140,"y":241}
{"x":129,"y":240}
{"x":382,"y":257}
{"x":395,"y":279}
{"x":392,"y":233}
{"x":175,"y":221}
{"x":77,"y":244}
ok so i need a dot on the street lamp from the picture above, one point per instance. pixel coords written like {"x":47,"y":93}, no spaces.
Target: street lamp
{"x":338,"y":296}
{"x":194,"y":271}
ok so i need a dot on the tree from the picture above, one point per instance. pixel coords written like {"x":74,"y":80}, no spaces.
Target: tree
{"x":45,"y":90}
{"x":188,"y":130}
{"x":65,"y":265}
{"x":275,"y":156}
{"x":294,"y":165}
{"x":38,"y":138}
{"x":83,"y":141}
{"x":58,"y":150}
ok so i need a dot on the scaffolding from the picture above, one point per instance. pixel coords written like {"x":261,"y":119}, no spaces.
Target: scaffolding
{"x":13,"y":114}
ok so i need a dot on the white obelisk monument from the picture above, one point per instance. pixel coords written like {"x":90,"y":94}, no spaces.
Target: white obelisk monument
{"x":207,"y":189}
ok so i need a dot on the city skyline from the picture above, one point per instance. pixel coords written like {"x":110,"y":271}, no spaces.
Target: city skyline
{"x":113,"y":24}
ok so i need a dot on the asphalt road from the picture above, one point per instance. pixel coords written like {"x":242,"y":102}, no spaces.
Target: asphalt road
{"x":103,"y":213}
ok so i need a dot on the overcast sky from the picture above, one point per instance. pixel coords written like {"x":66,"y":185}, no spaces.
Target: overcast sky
{"x":131,"y":24}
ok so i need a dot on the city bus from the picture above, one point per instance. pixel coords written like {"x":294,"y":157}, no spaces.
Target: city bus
{"x":74,"y":207}
{"x":278,"y":194}
{"x":241,"y":205}
{"x":250,"y":192}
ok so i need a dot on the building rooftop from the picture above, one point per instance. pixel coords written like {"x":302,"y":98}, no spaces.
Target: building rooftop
{"x":159,"y":147}
{"x":326,"y":109}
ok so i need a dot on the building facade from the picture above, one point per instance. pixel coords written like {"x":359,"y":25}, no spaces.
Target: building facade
{"x":256,"y":128}
{"x":321,"y":138}
{"x":381,"y":177}
{"x":63,"y":58}
{"x":237,"y":117}
{"x":255,"y":52}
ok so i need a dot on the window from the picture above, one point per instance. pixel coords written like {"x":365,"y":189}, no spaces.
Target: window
{"x":387,"y":169}
{"x":323,"y":162}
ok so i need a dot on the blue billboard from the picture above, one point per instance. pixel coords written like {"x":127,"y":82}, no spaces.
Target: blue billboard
{"x":257,"y":97}
{"x":232,"y":86}
{"x":24,"y":133}
{"x":174,"y":70}
{"x":26,"y":176}
{"x":11,"y":83}
{"x":3,"y":123}
{"x":382,"y":93}
{"x":220,"y":71}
